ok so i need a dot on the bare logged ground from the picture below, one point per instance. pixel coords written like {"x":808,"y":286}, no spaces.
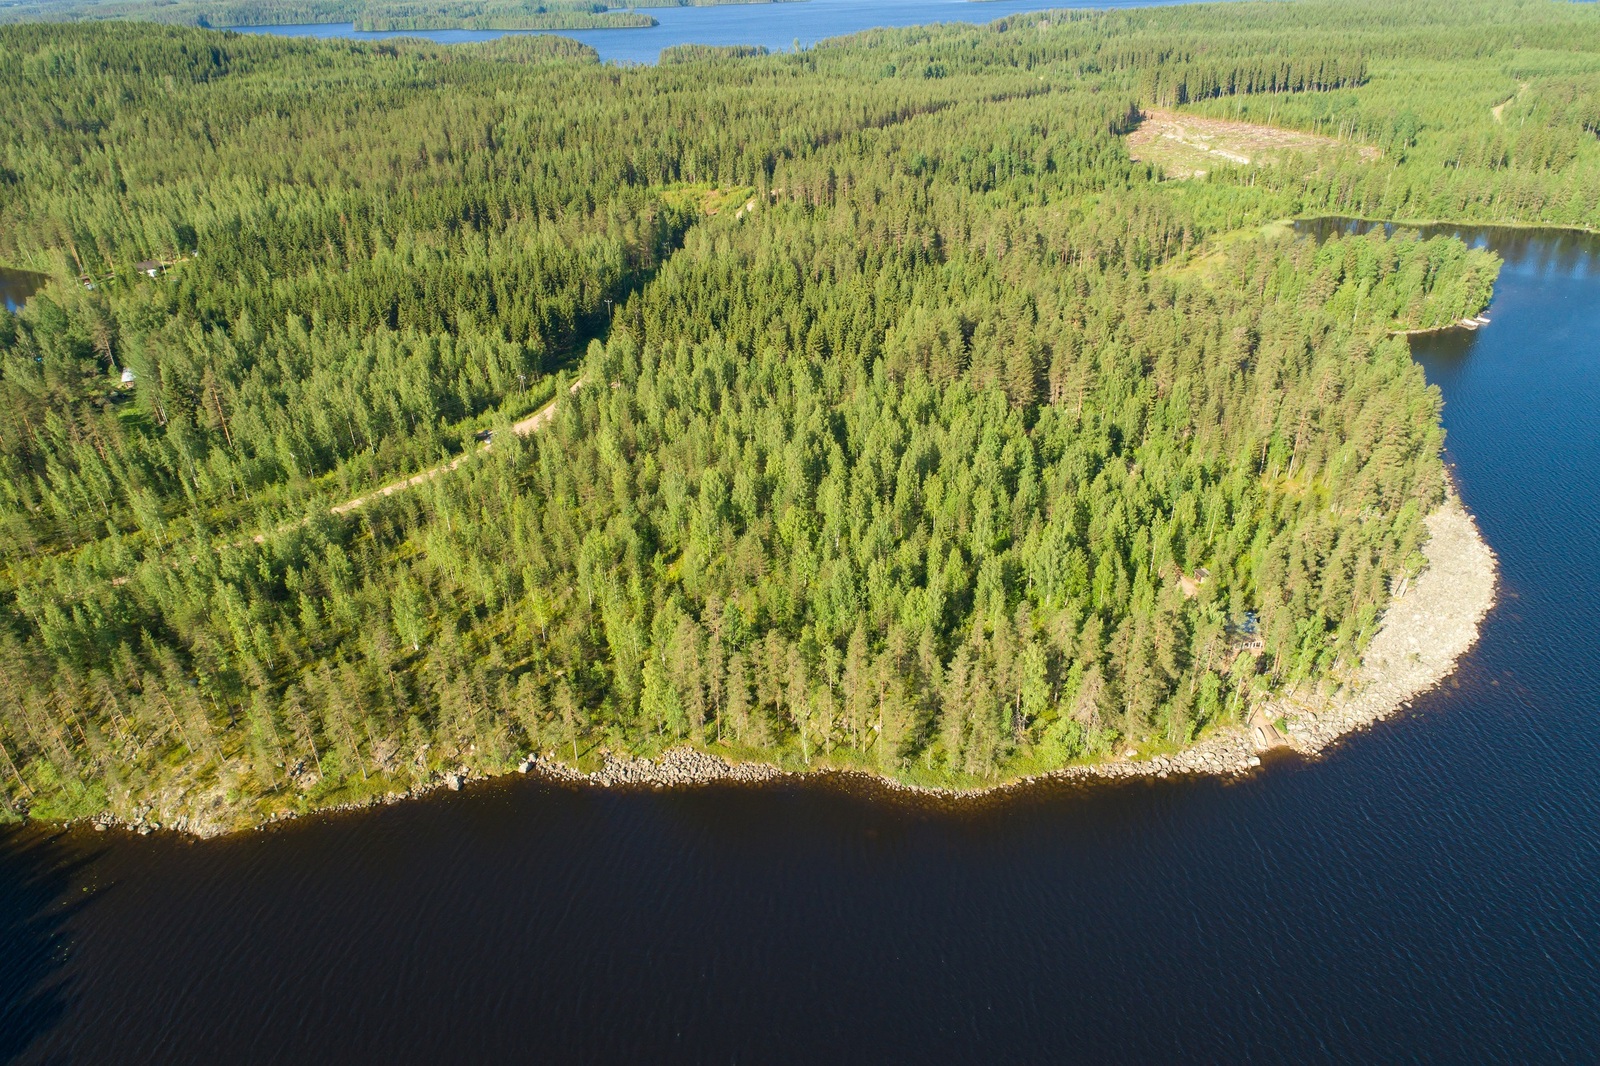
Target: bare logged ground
{"x":1186,"y":146}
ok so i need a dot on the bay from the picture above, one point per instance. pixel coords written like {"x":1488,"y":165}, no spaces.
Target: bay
{"x":777,"y":26}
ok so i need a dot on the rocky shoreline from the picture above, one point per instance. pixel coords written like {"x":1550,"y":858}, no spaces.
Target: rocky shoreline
{"x":1475,"y":322}
{"x":1427,"y":628}
{"x":1429,"y":625}
{"x":1425,"y":632}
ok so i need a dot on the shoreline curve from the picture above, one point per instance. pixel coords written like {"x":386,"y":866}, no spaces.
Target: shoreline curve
{"x":1424,"y":632}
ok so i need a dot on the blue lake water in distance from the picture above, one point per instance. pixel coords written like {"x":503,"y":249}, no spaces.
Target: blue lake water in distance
{"x":1429,"y":891}
{"x":777,"y":26}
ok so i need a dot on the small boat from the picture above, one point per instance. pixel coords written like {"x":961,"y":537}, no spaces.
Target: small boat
{"x":1482,"y":320}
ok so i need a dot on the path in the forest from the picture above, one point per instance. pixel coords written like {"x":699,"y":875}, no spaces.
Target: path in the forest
{"x":532,"y":424}
{"x":1499,"y":110}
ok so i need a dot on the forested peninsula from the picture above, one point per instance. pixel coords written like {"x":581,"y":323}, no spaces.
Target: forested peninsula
{"x":395,"y":411}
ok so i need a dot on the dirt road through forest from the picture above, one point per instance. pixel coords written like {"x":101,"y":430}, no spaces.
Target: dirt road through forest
{"x":533,"y":423}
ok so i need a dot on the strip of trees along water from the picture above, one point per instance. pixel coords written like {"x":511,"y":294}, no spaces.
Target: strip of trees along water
{"x":916,"y":425}
{"x":362,"y":14}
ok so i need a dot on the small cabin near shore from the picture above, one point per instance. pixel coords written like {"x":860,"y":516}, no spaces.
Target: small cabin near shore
{"x":128,"y":376}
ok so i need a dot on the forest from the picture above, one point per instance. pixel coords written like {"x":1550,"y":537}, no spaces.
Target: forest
{"x":379,"y":15}
{"x":891,"y":415}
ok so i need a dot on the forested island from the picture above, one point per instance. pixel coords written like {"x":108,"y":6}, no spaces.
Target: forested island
{"x":872,"y":406}
{"x":365,"y":15}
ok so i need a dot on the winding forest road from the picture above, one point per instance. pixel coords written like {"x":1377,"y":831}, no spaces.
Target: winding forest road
{"x":532,"y":424}
{"x":1499,"y":110}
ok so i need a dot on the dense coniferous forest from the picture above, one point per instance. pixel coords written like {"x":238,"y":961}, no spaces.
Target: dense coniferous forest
{"x":363,"y":14}
{"x":892,"y":414}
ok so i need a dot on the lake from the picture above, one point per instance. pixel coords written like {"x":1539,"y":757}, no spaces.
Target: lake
{"x":1430,"y":891}
{"x":16,"y":286}
{"x":777,"y":26}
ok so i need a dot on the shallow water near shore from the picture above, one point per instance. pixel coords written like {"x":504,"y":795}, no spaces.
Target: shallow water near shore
{"x":1429,"y":890}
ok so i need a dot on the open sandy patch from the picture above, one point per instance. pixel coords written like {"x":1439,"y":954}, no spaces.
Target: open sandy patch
{"x":1186,"y":146}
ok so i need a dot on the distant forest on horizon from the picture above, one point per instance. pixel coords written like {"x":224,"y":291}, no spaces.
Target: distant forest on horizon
{"x":367,"y":15}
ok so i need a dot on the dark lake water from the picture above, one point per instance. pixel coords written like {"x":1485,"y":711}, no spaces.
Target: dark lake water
{"x":1428,"y":892}
{"x":778,"y":26}
{"x":16,"y":286}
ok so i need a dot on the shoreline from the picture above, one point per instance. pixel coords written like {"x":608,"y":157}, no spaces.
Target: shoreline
{"x":1424,"y":632}
{"x":1473,"y":324}
{"x":1425,"y":223}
